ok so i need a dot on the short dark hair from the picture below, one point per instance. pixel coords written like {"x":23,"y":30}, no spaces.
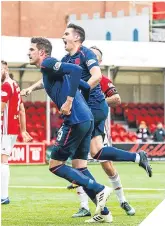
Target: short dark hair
{"x":95,"y":47}
{"x":79,"y":30}
{"x":3,"y":62}
{"x":42,"y":43}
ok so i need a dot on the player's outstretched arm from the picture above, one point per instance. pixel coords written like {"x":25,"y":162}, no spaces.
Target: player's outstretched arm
{"x":114,"y":100}
{"x":36,"y":86}
{"x":112,"y":97}
{"x":22,"y":119}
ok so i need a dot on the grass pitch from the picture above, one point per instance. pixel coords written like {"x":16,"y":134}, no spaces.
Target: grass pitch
{"x":38,"y":204}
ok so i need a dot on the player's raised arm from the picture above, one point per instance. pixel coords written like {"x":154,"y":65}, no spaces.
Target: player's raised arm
{"x":36,"y":86}
{"x":22,"y":120}
{"x":94,"y":69}
{"x":114,"y":100}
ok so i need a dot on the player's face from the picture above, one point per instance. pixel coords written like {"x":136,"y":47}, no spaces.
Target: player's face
{"x":34,"y":54}
{"x":4,"y":70}
{"x":98,"y":56}
{"x":69,"y":39}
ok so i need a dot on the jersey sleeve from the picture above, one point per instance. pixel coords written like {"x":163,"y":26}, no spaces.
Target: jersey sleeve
{"x":90,"y":59}
{"x":6,"y":92}
{"x":107,"y":87}
{"x":51,"y":64}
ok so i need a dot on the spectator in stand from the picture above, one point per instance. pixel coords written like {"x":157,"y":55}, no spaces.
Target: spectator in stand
{"x":143,"y":132}
{"x":55,"y":122}
{"x":159,"y":134}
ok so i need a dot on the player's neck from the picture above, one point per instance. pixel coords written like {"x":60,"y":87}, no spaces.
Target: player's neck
{"x":74,"y":50}
{"x":38,"y":65}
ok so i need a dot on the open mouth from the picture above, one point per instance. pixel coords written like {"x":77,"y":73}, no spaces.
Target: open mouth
{"x":65,"y":42}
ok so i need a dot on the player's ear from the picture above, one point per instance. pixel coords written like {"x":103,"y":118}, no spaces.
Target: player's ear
{"x":77,"y":37}
{"x":42,"y":52}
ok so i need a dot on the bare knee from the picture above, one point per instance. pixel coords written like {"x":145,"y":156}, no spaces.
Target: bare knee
{"x":54,"y":163}
{"x":96,"y":145}
{"x":79,"y":163}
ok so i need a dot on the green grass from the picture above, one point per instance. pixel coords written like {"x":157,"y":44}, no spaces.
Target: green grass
{"x":51,"y":207}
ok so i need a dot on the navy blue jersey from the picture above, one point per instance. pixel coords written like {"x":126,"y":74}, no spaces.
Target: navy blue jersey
{"x":85,"y":58}
{"x":58,"y":80}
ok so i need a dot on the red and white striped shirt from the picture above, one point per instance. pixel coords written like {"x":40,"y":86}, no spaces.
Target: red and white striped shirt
{"x":10,"y":94}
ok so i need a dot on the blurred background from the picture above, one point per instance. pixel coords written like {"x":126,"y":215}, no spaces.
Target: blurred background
{"x":131,"y":35}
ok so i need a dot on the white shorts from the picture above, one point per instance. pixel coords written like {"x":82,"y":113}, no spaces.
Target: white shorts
{"x":7,"y":144}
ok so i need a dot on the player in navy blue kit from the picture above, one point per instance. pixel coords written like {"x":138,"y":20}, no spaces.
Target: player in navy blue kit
{"x":61,"y":81}
{"x":84,"y":57}
{"x":113,"y":99}
{"x":78,"y":54}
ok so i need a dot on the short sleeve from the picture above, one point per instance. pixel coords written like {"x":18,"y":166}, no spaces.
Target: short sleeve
{"x":6,"y":92}
{"x":91,"y":59}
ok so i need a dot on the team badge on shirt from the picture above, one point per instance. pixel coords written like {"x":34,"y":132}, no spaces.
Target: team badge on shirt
{"x":57,"y":65}
{"x":90,"y":62}
{"x":77,"y":61}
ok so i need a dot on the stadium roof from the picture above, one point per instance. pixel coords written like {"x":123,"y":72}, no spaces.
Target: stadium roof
{"x":125,"y":54}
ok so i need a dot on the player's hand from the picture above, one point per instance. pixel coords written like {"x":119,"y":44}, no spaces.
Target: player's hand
{"x":26,"y":92}
{"x":66,"y":107}
{"x":26,"y":137}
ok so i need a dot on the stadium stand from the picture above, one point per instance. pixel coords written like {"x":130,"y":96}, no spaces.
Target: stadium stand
{"x":129,"y":114}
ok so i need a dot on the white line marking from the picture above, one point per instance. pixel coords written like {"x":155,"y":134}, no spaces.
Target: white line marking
{"x":156,"y":217}
{"x":59,"y":187}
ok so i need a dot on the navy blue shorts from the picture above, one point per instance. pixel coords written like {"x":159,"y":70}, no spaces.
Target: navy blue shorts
{"x":73,"y":141}
{"x":100,"y":115}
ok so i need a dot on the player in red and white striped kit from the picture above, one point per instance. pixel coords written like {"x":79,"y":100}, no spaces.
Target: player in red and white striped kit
{"x":113,"y":99}
{"x":13,"y":120}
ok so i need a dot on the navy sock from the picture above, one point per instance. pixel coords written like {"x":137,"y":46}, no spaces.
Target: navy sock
{"x":105,"y":211}
{"x":91,"y":193}
{"x":75,"y":176}
{"x":115,"y":154}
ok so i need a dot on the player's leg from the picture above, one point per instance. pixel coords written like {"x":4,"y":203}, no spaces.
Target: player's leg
{"x":99,"y":152}
{"x":66,"y":144}
{"x":114,"y":177}
{"x":7,"y":144}
{"x":117,"y":186}
{"x":79,"y":161}
{"x":83,"y":211}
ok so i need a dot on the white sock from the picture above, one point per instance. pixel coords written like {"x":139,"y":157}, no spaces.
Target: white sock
{"x":5,"y":174}
{"x":137,"y":158}
{"x":117,"y":186}
{"x":83,"y":198}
